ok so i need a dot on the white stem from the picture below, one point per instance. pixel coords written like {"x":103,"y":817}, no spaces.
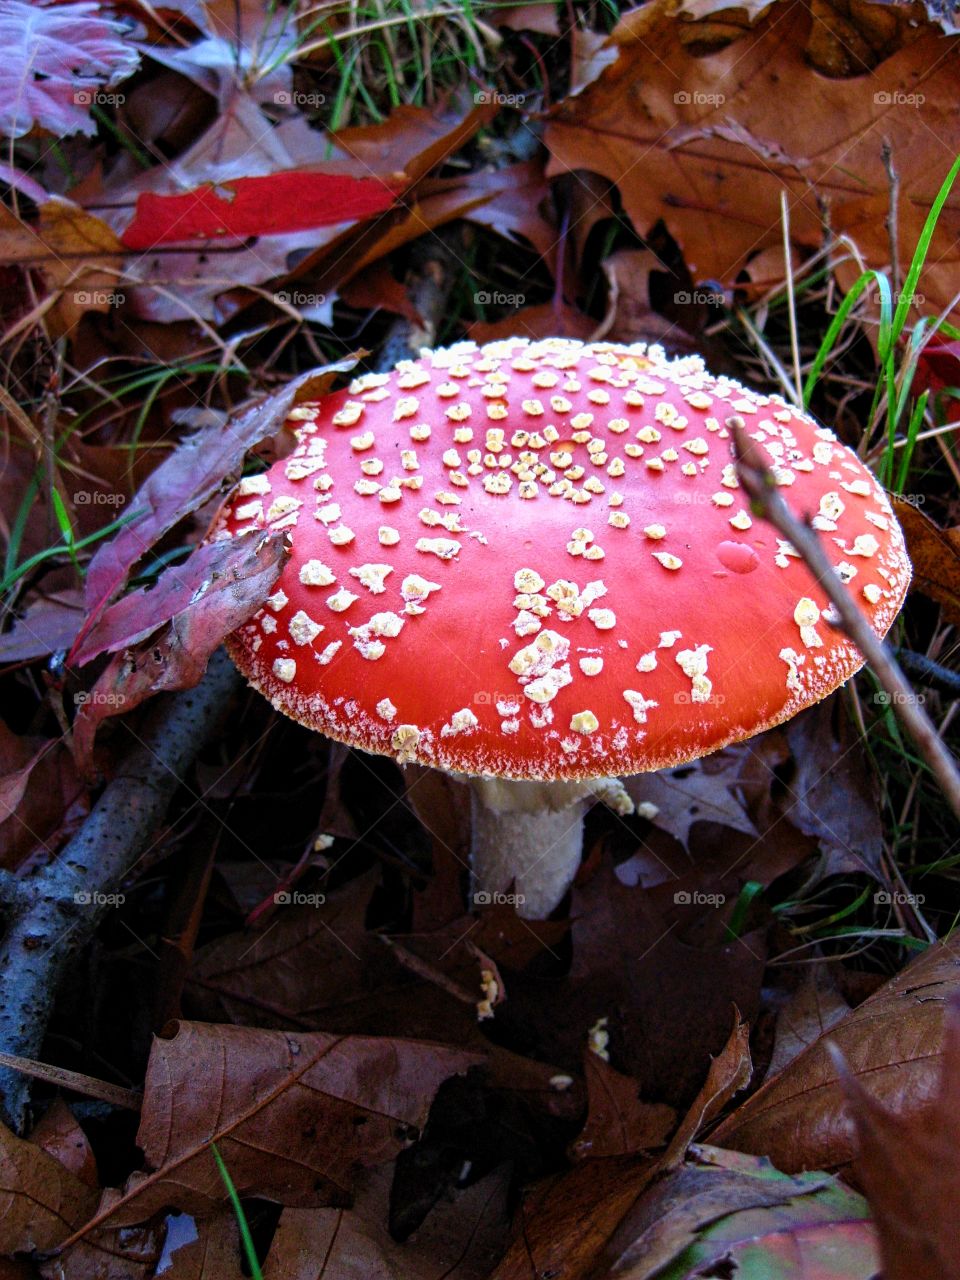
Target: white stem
{"x":527,"y":839}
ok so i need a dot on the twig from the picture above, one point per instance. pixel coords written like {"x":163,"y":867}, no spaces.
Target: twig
{"x":759,"y":483}
{"x":52,"y":914}
{"x":791,"y":300}
{"x":129,"y":1099}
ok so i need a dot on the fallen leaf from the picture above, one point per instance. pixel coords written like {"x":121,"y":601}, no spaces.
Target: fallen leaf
{"x":273,"y":204}
{"x":196,"y":469}
{"x":294,"y":1116}
{"x":47,"y":625}
{"x":909,"y":1167}
{"x":813,"y":1009}
{"x":619,"y":1122}
{"x":729,"y":1072}
{"x":545,"y":320}
{"x":242,"y":574}
{"x":57,"y":59}
{"x":218,"y":580}
{"x":460,"y":1239}
{"x":938,"y":365}
{"x":59,"y":1134}
{"x":707,"y":144}
{"x":42,"y":1200}
{"x":724,"y":1214}
{"x":935,"y":556}
{"x":893,"y":1044}
{"x":701,"y":791}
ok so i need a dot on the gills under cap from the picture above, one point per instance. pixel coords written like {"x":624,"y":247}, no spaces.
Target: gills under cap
{"x":534,"y":560}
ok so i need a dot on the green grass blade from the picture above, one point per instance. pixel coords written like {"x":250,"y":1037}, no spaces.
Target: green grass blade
{"x":246,"y":1238}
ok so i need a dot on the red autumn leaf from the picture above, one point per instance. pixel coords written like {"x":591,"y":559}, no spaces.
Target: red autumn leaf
{"x":938,"y":366}
{"x":275,"y":203}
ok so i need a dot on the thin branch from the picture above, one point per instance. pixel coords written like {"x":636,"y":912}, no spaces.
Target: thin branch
{"x":759,"y":483}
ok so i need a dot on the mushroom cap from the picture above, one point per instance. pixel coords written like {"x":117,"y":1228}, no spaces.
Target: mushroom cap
{"x":533,"y":560}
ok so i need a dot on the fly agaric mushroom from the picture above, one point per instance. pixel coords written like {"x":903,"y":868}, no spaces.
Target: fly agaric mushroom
{"x":531,"y":564}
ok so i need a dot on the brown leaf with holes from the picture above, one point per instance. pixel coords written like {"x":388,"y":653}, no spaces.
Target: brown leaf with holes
{"x":935,"y":556}
{"x":893,"y":1044}
{"x":461,"y":1238}
{"x":707,"y":144}
{"x":295,"y":1116}
{"x":909,"y":1167}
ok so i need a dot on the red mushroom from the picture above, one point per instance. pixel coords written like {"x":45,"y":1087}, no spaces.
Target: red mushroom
{"x":531,"y":564}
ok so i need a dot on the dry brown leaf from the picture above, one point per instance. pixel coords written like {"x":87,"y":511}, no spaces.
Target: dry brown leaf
{"x":461,"y":1238}
{"x":729,"y":1072}
{"x":893,"y":1044}
{"x":545,"y":320}
{"x":909,"y":1167}
{"x":619,"y":1122}
{"x":812,"y":1010}
{"x":59,"y":1134}
{"x":707,"y":144}
{"x":176,"y":1247}
{"x":293,"y":1115}
{"x":935,"y":556}
{"x":42,"y":1201}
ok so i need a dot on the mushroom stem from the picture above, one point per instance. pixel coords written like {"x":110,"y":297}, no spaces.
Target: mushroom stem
{"x":527,"y":839}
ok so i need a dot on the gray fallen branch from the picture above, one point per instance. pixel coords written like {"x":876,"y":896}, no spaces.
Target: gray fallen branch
{"x":761,"y":487}
{"x":52,"y":914}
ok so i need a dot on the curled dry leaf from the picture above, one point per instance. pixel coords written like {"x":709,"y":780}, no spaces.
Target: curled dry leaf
{"x":909,"y":1167}
{"x":893,"y":1045}
{"x":721,"y":136}
{"x":294,"y":1116}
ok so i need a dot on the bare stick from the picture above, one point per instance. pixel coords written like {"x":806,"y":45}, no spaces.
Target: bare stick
{"x":893,"y":214}
{"x":53,"y":913}
{"x":759,"y":483}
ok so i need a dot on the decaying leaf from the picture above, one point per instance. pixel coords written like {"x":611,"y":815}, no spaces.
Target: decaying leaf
{"x":909,"y":1167}
{"x":42,"y":1201}
{"x":935,"y":556}
{"x":707,"y":144}
{"x":56,"y":58}
{"x":619,"y":1122}
{"x":295,"y":1116}
{"x":893,"y":1044}
{"x":722,"y":1213}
